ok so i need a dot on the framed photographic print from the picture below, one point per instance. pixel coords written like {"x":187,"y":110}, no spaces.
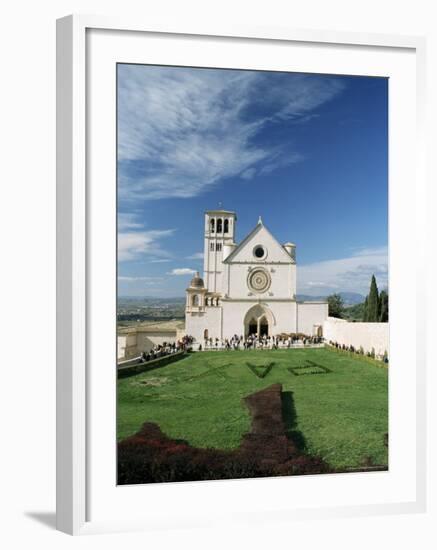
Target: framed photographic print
{"x":240,"y":329}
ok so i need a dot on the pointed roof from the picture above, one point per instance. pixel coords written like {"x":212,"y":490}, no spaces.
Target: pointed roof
{"x":259,"y":226}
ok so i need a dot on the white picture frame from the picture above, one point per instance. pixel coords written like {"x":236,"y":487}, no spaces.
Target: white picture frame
{"x":74,"y":463}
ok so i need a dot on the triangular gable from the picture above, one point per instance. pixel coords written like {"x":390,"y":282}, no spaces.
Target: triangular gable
{"x":259,"y":235}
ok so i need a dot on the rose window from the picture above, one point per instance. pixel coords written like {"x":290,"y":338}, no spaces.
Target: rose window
{"x":259,"y":280}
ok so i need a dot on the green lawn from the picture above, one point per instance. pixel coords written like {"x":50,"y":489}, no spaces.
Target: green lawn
{"x":341,"y":415}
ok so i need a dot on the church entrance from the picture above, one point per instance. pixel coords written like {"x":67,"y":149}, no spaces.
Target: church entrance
{"x":258,"y":320}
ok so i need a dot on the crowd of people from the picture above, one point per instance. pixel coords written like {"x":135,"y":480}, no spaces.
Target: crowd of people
{"x":253,"y":341}
{"x":167,"y":348}
{"x":260,"y":342}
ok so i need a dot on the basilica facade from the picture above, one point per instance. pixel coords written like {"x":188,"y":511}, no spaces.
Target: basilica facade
{"x":247,"y":288}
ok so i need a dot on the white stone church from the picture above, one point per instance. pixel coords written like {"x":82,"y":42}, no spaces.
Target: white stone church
{"x":247,"y":288}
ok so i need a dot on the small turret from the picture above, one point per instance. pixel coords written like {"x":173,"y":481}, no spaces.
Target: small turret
{"x":291,"y":249}
{"x":197,"y":281}
{"x":196,"y":295}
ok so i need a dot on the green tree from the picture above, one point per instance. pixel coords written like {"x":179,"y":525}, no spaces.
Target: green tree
{"x":365,"y":310}
{"x":383,"y":307}
{"x":373,"y":302}
{"x":335,"y":305}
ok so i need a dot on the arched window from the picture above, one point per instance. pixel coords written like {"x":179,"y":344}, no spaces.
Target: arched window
{"x":212,"y":225}
{"x":226,"y":226}
{"x":195,"y":300}
{"x":205,"y":334}
{"x":219,"y":225}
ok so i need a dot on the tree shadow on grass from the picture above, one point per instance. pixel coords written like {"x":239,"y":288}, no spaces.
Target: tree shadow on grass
{"x":289,"y":416}
{"x":272,"y":447}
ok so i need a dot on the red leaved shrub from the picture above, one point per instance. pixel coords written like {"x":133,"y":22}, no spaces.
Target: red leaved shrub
{"x":150,"y":456}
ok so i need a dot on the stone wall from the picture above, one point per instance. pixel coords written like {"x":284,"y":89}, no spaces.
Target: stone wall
{"x":146,"y":340}
{"x":366,"y":335}
{"x":310,"y":316}
{"x":132,"y":341}
{"x":127,"y":345}
{"x":130,"y":368}
{"x":210,"y":320}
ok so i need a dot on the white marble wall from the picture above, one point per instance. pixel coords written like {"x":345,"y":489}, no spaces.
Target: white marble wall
{"x":127,"y":345}
{"x":147,"y":340}
{"x":134,"y":343}
{"x":284,"y":316}
{"x":367,"y":335}
{"x":310,"y":315}
{"x":211,"y":319}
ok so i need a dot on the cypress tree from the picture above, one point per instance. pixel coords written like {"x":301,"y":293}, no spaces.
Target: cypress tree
{"x":365,"y":314}
{"x":383,"y":307}
{"x":373,"y":302}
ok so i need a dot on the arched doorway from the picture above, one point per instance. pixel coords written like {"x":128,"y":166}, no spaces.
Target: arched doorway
{"x":259,"y":320}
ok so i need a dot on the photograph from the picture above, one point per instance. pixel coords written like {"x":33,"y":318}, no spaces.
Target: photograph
{"x":252,"y":274}
{"x":219,"y":254}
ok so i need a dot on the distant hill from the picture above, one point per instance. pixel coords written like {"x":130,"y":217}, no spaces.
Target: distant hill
{"x":349,"y":298}
{"x":135,"y":309}
{"x":150,"y":300}
{"x":352,"y":298}
{"x":354,"y":313}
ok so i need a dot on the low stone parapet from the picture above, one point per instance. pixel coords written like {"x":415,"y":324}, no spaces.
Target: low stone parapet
{"x":136,"y":366}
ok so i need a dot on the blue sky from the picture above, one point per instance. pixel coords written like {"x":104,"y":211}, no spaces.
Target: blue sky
{"x":308,"y":153}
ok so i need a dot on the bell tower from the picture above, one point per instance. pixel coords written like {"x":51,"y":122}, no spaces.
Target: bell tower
{"x":219,"y":233}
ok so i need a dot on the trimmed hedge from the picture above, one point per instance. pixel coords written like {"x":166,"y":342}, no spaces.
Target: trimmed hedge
{"x":123,"y":372}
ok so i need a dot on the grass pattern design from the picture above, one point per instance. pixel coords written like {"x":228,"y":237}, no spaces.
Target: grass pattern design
{"x":260,"y":371}
{"x":341,"y":418}
{"x":309,"y":367}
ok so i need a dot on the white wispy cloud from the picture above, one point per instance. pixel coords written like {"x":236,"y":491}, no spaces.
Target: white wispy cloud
{"x":351,"y":274}
{"x":135,"y":241}
{"x":196,"y":256}
{"x":135,"y":244}
{"x":127,"y":220}
{"x":182,"y":271}
{"x":181,"y":131}
{"x":159,"y":260}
